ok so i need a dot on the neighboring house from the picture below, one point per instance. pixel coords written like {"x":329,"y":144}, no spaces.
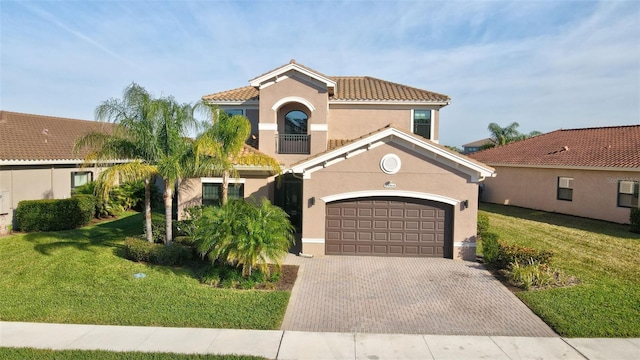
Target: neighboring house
{"x":37,"y":160}
{"x":592,"y":172}
{"x":364,"y":174}
{"x":475,"y":146}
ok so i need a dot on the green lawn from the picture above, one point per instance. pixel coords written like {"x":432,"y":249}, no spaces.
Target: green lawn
{"x":37,"y":354}
{"x":604,"y":256}
{"x":78,"y":276}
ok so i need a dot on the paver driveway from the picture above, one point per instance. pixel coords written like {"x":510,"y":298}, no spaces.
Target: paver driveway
{"x":404,"y":295}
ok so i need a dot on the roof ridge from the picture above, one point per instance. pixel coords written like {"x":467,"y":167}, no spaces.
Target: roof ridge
{"x":598,"y":127}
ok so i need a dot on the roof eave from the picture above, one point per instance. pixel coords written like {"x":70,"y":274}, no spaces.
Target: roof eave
{"x":567,"y":167}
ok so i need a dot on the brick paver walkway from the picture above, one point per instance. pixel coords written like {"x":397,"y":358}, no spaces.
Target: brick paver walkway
{"x":405,"y":295}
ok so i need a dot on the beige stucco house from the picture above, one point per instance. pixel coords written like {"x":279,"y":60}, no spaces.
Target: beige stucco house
{"x":592,"y":172}
{"x":37,"y":160}
{"x":364,"y":173}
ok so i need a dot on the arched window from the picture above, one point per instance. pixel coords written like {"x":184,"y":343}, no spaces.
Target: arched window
{"x":295,"y":122}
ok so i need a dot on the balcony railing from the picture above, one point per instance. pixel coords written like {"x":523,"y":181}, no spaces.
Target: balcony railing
{"x":293,"y":143}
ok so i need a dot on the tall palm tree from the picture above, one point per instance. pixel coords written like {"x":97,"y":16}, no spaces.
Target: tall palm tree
{"x":220,"y":147}
{"x":505,"y":135}
{"x":131,"y":138}
{"x":152,"y":133}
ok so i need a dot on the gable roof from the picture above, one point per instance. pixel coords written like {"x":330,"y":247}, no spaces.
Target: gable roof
{"x":346,"y":89}
{"x":475,"y":169}
{"x":30,"y":139}
{"x":602,"y":147}
{"x":478,"y":143}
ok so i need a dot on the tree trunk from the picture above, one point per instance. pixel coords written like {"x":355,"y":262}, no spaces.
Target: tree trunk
{"x":225,"y":187}
{"x":147,"y":209}
{"x":246,"y":270}
{"x":168,"y":205}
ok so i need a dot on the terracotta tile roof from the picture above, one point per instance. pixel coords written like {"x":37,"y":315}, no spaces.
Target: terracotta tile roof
{"x":615,"y":147}
{"x":348,"y":88}
{"x":365,"y":88}
{"x":336,"y":143}
{"x":39,"y":137}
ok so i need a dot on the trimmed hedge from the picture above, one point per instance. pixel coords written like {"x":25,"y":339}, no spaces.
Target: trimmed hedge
{"x":635,"y":220}
{"x":482,"y":226}
{"x":490,"y":247}
{"x":55,"y":214}
{"x":509,"y":254}
{"x":140,"y":250}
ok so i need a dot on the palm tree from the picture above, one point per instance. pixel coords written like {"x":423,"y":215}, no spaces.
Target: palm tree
{"x":244,"y":233}
{"x":221,"y":147}
{"x":505,"y":135}
{"x":134,"y":116}
{"x":152,"y":133}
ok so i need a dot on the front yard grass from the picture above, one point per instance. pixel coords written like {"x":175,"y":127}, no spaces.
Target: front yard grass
{"x":603,"y":256}
{"x":40,"y":354}
{"x":78,"y":276}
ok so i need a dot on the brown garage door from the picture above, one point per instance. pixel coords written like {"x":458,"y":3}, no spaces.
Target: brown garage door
{"x":388,"y":227}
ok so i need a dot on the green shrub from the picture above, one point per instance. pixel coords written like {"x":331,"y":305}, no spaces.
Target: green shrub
{"x":634,"y":217}
{"x":536,"y":275}
{"x":490,"y":247}
{"x":158,"y":227}
{"x":483,"y":224}
{"x":54,"y":215}
{"x":137,"y":249}
{"x":513,"y":253}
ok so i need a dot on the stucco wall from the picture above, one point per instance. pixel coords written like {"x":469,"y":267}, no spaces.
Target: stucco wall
{"x":19,"y":183}
{"x":417,"y":174}
{"x":190,"y":191}
{"x":353,"y":121}
{"x":595,"y":193}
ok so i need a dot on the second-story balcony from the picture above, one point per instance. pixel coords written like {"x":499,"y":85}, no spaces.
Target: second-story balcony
{"x":293,"y":143}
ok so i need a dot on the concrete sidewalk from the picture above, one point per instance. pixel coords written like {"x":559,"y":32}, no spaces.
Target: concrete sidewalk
{"x":277,"y":344}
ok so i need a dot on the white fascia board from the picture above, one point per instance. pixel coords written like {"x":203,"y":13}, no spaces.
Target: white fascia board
{"x":313,"y":240}
{"x":249,"y":104}
{"x":564,"y":167}
{"x":394,"y":193}
{"x":258,"y":82}
{"x":388,"y":102}
{"x":218,"y":180}
{"x":62,"y":162}
{"x":474,"y":170}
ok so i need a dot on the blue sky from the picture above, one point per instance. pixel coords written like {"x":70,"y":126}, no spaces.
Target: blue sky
{"x":545,"y":64}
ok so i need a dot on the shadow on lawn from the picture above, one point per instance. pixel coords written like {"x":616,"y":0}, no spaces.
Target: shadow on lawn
{"x":106,"y":234}
{"x":575,"y":222}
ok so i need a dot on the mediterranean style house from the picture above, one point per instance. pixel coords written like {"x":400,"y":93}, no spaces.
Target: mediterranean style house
{"x":591,"y":172}
{"x":37,"y":160}
{"x":363,"y":171}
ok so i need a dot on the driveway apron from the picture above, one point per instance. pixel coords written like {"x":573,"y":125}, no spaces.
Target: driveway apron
{"x":404,"y":295}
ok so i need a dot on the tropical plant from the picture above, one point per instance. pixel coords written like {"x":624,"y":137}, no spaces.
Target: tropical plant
{"x":505,"y":135}
{"x":220,"y":148}
{"x":244,"y":233}
{"x":151,"y":134}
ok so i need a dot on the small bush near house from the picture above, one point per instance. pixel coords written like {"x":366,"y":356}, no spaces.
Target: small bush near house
{"x":490,"y":247}
{"x":512,"y":253}
{"x":536,"y":275}
{"x":158,"y":227}
{"x":483,"y":224}
{"x":229,"y":276}
{"x":635,"y":220}
{"x":137,"y":249}
{"x":54,"y":215}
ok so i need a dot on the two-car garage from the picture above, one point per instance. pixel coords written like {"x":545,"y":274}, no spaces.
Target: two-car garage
{"x":389,"y":226}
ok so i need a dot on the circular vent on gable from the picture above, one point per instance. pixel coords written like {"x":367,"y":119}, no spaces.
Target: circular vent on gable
{"x":390,"y":164}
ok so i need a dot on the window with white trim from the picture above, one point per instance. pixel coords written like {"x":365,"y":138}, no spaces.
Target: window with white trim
{"x":422,"y":123}
{"x":232,"y":112}
{"x":79,"y":178}
{"x":212,"y":193}
{"x":628,"y":193}
{"x":565,"y":188}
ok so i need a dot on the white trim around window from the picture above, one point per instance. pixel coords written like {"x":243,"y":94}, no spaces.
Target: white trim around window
{"x":432,"y":123}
